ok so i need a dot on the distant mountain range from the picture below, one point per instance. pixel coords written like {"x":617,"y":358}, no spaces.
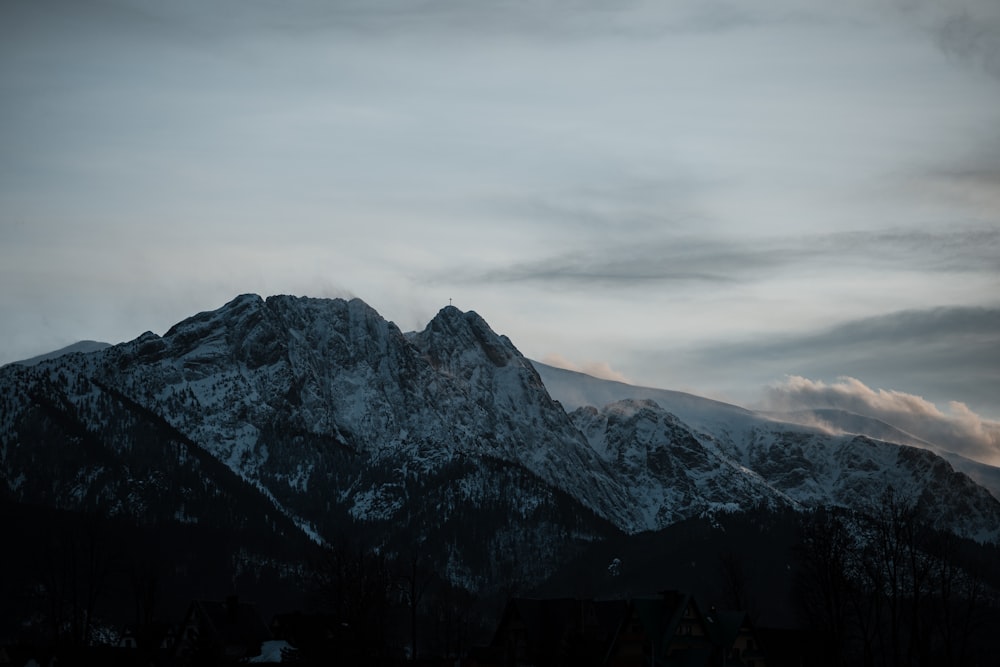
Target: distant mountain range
{"x":318,"y":417}
{"x":575,"y":390}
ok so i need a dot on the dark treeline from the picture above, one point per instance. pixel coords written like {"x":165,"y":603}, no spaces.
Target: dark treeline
{"x":369,"y":608}
{"x":882,"y":588}
{"x":72,"y":581}
{"x":70,"y":577}
{"x":879,"y":589}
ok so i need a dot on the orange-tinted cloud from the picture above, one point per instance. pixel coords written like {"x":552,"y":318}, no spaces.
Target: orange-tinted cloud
{"x":598,"y":369}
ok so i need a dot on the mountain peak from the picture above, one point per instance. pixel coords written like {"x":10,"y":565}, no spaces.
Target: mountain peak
{"x":248,"y":298}
{"x":456,"y":338}
{"x":450,"y":311}
{"x":455,"y":319}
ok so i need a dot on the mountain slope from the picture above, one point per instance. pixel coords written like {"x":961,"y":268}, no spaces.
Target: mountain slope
{"x":673,"y":475}
{"x":809,"y":464}
{"x":318,"y":415}
{"x":842,"y":421}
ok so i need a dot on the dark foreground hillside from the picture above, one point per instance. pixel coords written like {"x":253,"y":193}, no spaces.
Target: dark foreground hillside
{"x":77,"y":582}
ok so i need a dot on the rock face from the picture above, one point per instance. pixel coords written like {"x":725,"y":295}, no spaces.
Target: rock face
{"x":672,"y":474}
{"x":320,"y":416}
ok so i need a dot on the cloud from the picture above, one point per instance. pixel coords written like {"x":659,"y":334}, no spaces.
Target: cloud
{"x":598,"y":369}
{"x":971,"y":181}
{"x":951,"y":325}
{"x":960,"y":249}
{"x":666,"y":258}
{"x":966,"y":30}
{"x":561,"y":19}
{"x":958,"y":429}
{"x":974,"y":37}
{"x":943,"y":354}
{"x":624,"y":264}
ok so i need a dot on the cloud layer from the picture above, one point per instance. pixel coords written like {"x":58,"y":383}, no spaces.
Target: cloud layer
{"x":944,"y":354}
{"x":667,"y":258}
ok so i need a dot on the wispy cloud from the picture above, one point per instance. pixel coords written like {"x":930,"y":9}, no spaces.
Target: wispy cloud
{"x":668,"y":259}
{"x":943,"y":354}
{"x":598,"y":369}
{"x":966,"y":30}
{"x":958,"y":428}
{"x":970,"y":181}
{"x":972,"y":34}
{"x":949,"y":352}
{"x":950,"y":326}
{"x":959,"y":249}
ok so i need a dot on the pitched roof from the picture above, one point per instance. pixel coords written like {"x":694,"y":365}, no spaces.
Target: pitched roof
{"x":724,"y":626}
{"x":661,"y":619}
{"x":661,"y":616}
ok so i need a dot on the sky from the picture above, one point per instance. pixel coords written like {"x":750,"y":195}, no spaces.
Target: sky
{"x":773,"y":201}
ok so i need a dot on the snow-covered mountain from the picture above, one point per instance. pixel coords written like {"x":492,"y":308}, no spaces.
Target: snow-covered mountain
{"x":342,"y":422}
{"x":672,"y":473}
{"x":824,"y":457}
{"x":445,"y":442}
{"x":842,"y":421}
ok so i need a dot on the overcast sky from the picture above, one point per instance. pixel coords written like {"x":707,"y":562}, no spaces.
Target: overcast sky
{"x":696,"y":195}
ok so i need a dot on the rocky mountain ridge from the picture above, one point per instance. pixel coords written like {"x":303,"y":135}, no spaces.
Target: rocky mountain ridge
{"x":445,"y":442}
